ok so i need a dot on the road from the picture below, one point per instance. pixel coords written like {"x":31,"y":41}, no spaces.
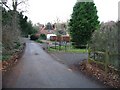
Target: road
{"x":37,"y":69}
{"x":0,"y":74}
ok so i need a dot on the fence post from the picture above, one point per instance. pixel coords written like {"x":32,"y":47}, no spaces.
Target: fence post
{"x":55,"y":44}
{"x":106,"y":61}
{"x":65,"y":46}
{"x":89,"y":54}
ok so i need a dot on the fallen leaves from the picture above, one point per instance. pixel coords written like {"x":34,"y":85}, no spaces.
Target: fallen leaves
{"x":7,"y":65}
{"x":110,"y":79}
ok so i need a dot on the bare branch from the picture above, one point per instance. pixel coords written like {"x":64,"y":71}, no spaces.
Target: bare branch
{"x":20,"y":2}
{"x":4,"y":3}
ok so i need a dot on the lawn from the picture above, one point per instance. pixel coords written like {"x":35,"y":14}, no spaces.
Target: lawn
{"x":68,"y":49}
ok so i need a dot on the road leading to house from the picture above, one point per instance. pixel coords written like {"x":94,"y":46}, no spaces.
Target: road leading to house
{"x":37,"y":69}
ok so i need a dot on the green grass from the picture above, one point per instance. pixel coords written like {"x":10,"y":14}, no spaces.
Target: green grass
{"x":39,"y":41}
{"x":68,"y":49}
{"x":77,"y":50}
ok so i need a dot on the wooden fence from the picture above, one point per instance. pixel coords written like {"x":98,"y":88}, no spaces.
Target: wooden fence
{"x":105,"y":60}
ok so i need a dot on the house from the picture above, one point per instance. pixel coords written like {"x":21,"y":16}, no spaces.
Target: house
{"x":52,"y":30}
{"x":50,"y":35}
{"x":47,"y":29}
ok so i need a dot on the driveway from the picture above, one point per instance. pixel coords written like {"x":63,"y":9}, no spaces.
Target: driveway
{"x":37,"y":69}
{"x":69,"y":58}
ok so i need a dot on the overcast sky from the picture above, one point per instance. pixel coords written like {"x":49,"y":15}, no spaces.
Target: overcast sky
{"x":44,"y":11}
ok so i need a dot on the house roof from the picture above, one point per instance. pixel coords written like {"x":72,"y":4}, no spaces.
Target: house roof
{"x":43,"y":31}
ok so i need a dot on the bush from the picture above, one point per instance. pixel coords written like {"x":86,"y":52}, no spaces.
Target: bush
{"x":78,"y":45}
{"x":43,"y":36}
{"x":39,"y":41}
{"x":17,"y":45}
{"x":106,"y":39}
{"x":33,"y":37}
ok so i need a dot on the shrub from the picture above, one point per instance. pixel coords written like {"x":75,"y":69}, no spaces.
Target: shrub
{"x":33,"y":37}
{"x":43,"y":36}
{"x":39,"y":41}
{"x":106,"y":39}
{"x":17,"y":45}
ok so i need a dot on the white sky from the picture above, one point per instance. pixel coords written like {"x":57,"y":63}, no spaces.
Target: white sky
{"x":44,"y":11}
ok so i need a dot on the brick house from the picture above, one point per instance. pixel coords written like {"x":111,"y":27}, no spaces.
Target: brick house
{"x":51,"y":29}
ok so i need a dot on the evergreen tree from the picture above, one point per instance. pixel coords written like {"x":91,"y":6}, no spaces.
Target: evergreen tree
{"x":26,"y":26}
{"x":83,"y":22}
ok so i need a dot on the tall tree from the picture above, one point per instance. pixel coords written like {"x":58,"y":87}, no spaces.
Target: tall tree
{"x":118,"y":24}
{"x":60,"y":27}
{"x":26,"y":27}
{"x":10,"y":26}
{"x":14,"y":8}
{"x":49,"y":26}
{"x":30,"y":28}
{"x":83,"y":22}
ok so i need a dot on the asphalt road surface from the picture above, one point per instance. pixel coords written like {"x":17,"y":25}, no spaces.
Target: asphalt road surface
{"x":37,"y":69}
{"x":69,"y":58}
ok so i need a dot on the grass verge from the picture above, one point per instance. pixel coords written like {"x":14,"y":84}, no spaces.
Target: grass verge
{"x":67,"y":49}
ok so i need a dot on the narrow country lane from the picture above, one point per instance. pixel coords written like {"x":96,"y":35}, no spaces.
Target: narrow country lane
{"x":37,"y":69}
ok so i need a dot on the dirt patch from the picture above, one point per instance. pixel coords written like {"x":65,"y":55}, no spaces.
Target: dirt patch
{"x":96,"y":71}
{"x":8,"y":64}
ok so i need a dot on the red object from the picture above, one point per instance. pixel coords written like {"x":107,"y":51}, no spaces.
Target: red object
{"x":53,"y":38}
{"x":60,"y":38}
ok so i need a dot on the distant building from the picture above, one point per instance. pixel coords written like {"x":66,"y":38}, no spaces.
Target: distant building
{"x":47,"y":29}
{"x":64,"y":38}
{"x":53,"y":29}
{"x":50,"y":35}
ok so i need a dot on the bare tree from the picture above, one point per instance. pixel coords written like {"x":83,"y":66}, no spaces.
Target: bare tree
{"x":14,"y":6}
{"x":11,"y":32}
